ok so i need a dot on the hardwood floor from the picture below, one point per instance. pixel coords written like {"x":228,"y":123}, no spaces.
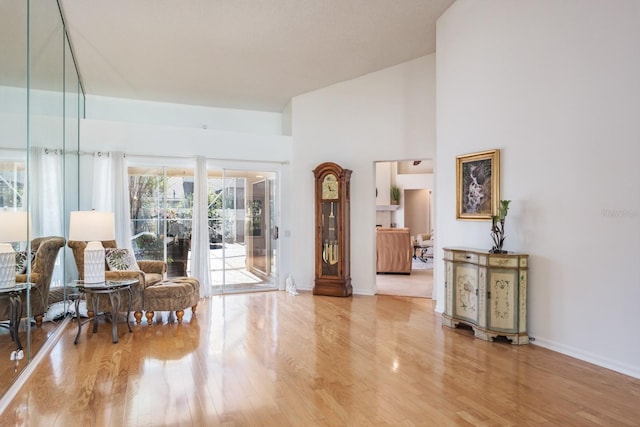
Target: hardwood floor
{"x":417,"y":284}
{"x":9,"y":372}
{"x":278,"y":360}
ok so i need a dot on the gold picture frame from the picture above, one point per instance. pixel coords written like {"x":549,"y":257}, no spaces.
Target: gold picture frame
{"x":477,"y":185}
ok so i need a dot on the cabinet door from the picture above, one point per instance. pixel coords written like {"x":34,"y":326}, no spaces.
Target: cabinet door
{"x":465,"y":281}
{"x":503,"y":300}
{"x":448,"y":288}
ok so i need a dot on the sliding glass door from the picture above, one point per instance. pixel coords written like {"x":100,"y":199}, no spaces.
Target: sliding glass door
{"x":242,"y":223}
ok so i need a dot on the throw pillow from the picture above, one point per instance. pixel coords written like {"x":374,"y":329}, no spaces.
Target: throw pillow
{"x":120,"y":259}
{"x":21,"y":261}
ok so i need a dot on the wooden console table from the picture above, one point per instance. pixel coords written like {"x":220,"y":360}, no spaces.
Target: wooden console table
{"x":487,"y":292}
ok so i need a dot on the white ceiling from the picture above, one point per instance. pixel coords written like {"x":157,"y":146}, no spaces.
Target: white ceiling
{"x":248,"y":54}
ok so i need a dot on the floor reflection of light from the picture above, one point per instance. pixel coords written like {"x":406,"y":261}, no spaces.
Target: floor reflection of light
{"x":396,"y":365}
{"x":56,"y":358}
{"x":234,"y":271}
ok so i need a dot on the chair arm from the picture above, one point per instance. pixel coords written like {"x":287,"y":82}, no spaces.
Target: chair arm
{"x":158,"y":267}
{"x":34,"y":278}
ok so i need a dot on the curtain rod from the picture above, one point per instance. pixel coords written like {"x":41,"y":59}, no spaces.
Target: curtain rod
{"x":46,"y":150}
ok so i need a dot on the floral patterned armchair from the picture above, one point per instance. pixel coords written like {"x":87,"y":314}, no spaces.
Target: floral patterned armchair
{"x":46,"y":251}
{"x":150,"y":273}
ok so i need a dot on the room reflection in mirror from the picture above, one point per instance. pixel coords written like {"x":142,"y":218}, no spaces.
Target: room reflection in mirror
{"x":41,"y":103}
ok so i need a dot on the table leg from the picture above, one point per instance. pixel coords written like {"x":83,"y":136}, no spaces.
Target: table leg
{"x":129,"y":308}
{"x":15,"y":316}
{"x":95,"y":300}
{"x":114,"y":298}
{"x":78,"y":317}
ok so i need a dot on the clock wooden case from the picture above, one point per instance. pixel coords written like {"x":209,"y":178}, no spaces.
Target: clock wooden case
{"x":332,"y":245}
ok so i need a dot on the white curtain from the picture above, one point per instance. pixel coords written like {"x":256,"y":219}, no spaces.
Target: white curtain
{"x":200,"y":263}
{"x":46,"y":190}
{"x":102,"y":192}
{"x":111,"y":192}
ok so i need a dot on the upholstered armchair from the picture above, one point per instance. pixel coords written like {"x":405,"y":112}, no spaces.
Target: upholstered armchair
{"x":46,"y":251}
{"x":393,"y":250}
{"x":150,"y":273}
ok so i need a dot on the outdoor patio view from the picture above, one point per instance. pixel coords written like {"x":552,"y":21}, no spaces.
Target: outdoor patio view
{"x":12,"y":178}
{"x":241,"y":209}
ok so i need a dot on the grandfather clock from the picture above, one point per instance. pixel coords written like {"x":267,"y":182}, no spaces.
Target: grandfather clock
{"x":332,"y":254}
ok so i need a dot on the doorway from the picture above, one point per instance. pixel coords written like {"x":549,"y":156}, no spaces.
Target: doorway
{"x":414,"y":179}
{"x":243,"y":230}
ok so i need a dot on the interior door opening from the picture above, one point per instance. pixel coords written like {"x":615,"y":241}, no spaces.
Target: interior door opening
{"x":404,"y":229}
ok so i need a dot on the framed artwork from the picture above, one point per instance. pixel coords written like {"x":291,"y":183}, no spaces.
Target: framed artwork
{"x":478,"y":185}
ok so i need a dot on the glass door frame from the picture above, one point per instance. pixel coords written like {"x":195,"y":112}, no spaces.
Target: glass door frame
{"x":215,"y":167}
{"x":272,"y":177}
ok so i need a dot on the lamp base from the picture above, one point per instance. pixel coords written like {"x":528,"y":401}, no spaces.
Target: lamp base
{"x":94,"y":263}
{"x":7,"y":266}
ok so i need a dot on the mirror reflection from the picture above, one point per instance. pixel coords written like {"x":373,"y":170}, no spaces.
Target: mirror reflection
{"x":41,"y":102}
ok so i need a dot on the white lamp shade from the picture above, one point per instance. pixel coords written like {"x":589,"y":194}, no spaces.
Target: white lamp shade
{"x":14,"y":226}
{"x":91,"y":226}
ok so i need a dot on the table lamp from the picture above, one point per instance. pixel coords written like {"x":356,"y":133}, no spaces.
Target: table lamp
{"x":92,"y":227}
{"x":14,"y":227}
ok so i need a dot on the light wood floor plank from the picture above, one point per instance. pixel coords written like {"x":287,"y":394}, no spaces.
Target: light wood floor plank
{"x":271,"y":359}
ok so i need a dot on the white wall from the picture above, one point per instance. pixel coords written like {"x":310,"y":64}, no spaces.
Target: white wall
{"x":555,"y":86}
{"x":387,"y":115}
{"x":179,"y":115}
{"x":45,"y":115}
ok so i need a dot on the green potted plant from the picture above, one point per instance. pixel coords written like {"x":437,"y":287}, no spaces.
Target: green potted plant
{"x":497,"y":227}
{"x":395,"y":195}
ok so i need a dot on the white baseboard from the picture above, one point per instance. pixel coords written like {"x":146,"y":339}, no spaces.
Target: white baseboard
{"x":632,"y":371}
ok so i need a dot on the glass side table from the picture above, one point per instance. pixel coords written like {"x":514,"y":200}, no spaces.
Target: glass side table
{"x":111,"y":288}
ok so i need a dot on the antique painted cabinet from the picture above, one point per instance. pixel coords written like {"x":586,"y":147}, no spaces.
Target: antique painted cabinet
{"x":487,"y":292}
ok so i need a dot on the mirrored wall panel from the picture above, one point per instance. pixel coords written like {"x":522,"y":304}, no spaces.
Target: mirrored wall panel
{"x":41,"y":104}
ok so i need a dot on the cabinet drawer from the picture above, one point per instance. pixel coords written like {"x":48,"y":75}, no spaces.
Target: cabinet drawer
{"x":465,"y":257}
{"x":503,"y":261}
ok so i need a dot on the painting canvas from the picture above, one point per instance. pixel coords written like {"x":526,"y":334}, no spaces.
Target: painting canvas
{"x":478,"y":185}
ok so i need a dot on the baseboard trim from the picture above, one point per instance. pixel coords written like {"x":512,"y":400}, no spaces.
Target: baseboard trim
{"x":632,"y":371}
{"x":12,"y":392}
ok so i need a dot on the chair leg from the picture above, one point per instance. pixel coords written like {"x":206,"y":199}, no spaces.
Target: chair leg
{"x":39,"y":320}
{"x":138,"y":316}
{"x":179,"y":314}
{"x":193,"y":308}
{"x":149,"y":315}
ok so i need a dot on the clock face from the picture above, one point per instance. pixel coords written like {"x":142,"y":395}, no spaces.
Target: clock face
{"x":330,"y":187}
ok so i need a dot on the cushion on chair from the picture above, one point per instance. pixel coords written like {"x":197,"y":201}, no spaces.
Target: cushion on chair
{"x":120,"y":259}
{"x":21,"y":261}
{"x":423,"y":238}
{"x":153,"y":278}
